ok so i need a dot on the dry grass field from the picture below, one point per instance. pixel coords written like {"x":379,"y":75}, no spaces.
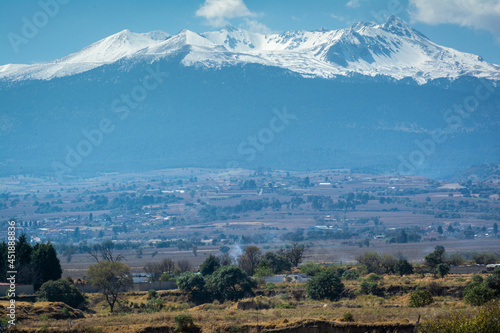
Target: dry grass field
{"x":284,"y":305}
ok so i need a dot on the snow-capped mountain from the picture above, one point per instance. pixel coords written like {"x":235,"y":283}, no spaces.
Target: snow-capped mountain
{"x":369,"y":97}
{"x":392,"y":49}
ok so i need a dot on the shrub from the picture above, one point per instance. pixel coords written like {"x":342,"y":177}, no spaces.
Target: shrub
{"x":270,"y":286}
{"x":154,"y":305}
{"x":368,"y":288}
{"x":65,"y":312}
{"x":436,"y":289}
{"x":493,"y":281}
{"x":477,"y":294}
{"x":183,"y":322}
{"x":350,"y":275}
{"x":152,"y":293}
{"x":420,"y":298}
{"x":263,"y":272}
{"x":477,"y":278}
{"x":285,"y":306}
{"x":347,"y":317}
{"x":325,"y":285}
{"x":284,"y":296}
{"x":311,"y":268}
{"x":374,"y":277}
{"x":61,"y":291}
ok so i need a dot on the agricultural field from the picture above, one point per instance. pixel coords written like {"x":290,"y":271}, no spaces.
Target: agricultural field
{"x":165,"y":225}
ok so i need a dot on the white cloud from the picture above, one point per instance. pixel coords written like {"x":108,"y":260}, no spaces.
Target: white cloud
{"x":256,"y":26}
{"x":217,"y":12}
{"x":353,"y":4}
{"x":478,"y":14}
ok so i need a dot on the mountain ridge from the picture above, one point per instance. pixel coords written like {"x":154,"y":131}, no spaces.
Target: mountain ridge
{"x":393,"y":49}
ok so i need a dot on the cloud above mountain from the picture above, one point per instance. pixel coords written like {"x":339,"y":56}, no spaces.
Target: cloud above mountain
{"x":219,"y":12}
{"x":477,"y":14}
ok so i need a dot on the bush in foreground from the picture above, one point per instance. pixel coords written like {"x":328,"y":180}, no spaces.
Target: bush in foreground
{"x":477,"y":294}
{"x":61,"y":291}
{"x":485,"y":320}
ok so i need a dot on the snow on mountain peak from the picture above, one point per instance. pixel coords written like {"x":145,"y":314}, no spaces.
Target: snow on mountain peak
{"x":397,"y":26}
{"x":392,"y":49}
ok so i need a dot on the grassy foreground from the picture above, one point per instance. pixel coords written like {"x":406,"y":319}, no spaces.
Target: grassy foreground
{"x":275,"y":306}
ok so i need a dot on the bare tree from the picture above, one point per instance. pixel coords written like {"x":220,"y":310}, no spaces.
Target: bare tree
{"x":295,"y":253}
{"x":183,"y":265}
{"x":250,"y":259}
{"x":225,"y":259}
{"x":104,"y":251}
{"x":167,"y":265}
{"x":155,"y":270}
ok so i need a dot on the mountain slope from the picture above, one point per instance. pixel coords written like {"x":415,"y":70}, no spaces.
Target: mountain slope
{"x":351,"y":98}
{"x":392,"y":49}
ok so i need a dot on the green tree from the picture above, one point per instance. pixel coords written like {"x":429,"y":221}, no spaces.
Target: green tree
{"x":112,"y":278}
{"x":276,"y":262}
{"x":495,"y":228}
{"x":484,"y":258}
{"x":372,"y":262}
{"x":325,"y":285}
{"x":230,"y":283}
{"x":210,"y":265}
{"x":194,"y":284}
{"x":435,"y":258}
{"x":403,"y":267}
{"x":45,"y":264}
{"x":250,"y":259}
{"x":455,"y":259}
{"x":4,"y":250}
{"x":23,"y":260}
{"x":61,"y":291}
{"x":442,"y":270}
{"x":350,"y":275}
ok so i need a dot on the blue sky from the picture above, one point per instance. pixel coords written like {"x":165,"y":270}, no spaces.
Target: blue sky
{"x":60,"y":27}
